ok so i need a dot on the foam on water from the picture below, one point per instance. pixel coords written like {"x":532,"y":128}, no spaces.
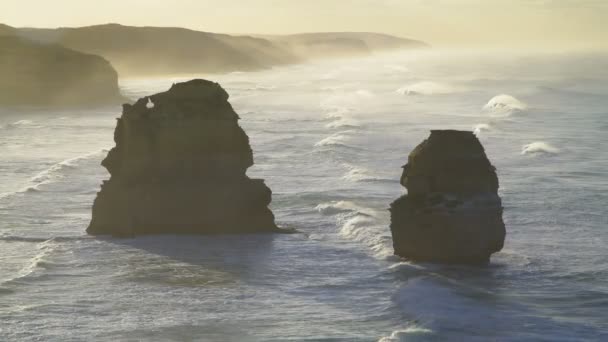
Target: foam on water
{"x":539,"y":147}
{"x":426,"y":88}
{"x":413,"y":333}
{"x":336,"y":139}
{"x":479,"y":128}
{"x":344,"y":123}
{"x":505,"y":104}
{"x":360,"y":224}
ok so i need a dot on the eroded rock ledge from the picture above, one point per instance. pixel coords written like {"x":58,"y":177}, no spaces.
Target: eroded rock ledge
{"x":179,"y":167}
{"x":452,"y":212}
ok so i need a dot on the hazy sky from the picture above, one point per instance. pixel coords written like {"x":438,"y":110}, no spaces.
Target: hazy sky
{"x":440,"y":22}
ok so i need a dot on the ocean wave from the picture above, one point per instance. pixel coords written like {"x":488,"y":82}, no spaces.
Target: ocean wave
{"x":336,"y":112}
{"x":33,"y":239}
{"x":359,"y":174}
{"x":37,"y":262}
{"x":479,"y":128}
{"x":336,"y":139}
{"x":339,"y":207}
{"x":426,"y":88}
{"x":22,"y":123}
{"x":505,"y":104}
{"x":360,"y":224}
{"x":344,"y":123}
{"x":539,"y":147}
{"x":407,"y":334}
{"x":53,"y":173}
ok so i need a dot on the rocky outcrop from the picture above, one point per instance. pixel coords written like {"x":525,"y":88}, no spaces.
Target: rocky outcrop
{"x":452,"y":212}
{"x":179,"y":167}
{"x":35,"y":74}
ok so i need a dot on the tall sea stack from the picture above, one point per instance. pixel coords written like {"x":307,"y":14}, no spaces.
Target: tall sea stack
{"x":452,"y":212}
{"x":179,"y":167}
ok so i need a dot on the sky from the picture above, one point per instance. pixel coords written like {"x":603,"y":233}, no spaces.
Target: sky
{"x":560,"y":23}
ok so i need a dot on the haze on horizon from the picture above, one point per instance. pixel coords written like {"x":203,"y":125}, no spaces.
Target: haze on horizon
{"x":469,"y":23}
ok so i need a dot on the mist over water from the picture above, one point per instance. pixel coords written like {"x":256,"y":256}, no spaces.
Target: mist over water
{"x":329,"y":138}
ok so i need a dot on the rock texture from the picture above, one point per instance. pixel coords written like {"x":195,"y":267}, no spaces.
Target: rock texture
{"x":179,"y":167}
{"x":452,"y":212}
{"x":35,"y":74}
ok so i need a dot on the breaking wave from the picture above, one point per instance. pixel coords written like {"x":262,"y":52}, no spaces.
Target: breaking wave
{"x":359,"y":174}
{"x":336,"y":139}
{"x":406,"y":335}
{"x":539,"y":147}
{"x":344,"y":123}
{"x":479,"y":128}
{"x":54,"y":173}
{"x":505,"y":103}
{"x":360,"y":224}
{"x":426,"y":88}
{"x":34,"y":264}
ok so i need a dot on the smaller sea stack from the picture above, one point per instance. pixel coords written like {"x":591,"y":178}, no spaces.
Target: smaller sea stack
{"x":179,"y":167}
{"x":452,"y":212}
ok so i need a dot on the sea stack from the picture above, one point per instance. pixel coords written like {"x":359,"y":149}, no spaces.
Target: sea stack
{"x":179,"y":167}
{"x":452,"y":212}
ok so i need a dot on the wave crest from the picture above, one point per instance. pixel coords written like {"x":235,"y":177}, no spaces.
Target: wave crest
{"x":505,"y":102}
{"x":360,"y":224}
{"x":539,"y":147}
{"x":426,"y":88}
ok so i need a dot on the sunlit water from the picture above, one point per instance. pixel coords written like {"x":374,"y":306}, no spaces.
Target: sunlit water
{"x":329,"y":138}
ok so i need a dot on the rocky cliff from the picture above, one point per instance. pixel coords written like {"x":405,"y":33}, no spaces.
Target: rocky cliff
{"x":179,"y":167}
{"x":173,"y":50}
{"x":35,"y":74}
{"x":452,"y":212}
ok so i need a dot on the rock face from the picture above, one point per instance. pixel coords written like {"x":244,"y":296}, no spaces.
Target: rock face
{"x":452,"y":212}
{"x":35,"y":74}
{"x":179,"y":167}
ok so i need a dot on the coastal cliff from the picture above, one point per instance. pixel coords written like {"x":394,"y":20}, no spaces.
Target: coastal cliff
{"x":452,"y":212}
{"x":140,"y":51}
{"x":36,"y":74}
{"x":179,"y":167}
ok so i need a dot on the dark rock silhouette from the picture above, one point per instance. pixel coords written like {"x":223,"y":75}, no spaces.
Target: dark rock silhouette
{"x":36,"y":74}
{"x":179,"y":167}
{"x":452,"y":212}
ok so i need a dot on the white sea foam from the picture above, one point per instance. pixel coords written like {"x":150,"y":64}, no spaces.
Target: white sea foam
{"x":53,"y":173}
{"x":336,"y":112}
{"x":426,"y":88}
{"x":336,"y":139}
{"x":539,"y":147}
{"x":339,"y":207}
{"x":23,"y":124}
{"x":407,"y":335}
{"x":38,"y":261}
{"x":344,"y":123}
{"x":479,"y":128}
{"x":505,"y":103}
{"x":360,"y":224}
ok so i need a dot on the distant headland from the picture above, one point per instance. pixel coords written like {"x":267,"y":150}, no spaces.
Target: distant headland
{"x":141,"y":51}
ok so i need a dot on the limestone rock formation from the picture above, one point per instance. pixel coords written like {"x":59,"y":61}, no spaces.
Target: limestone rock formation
{"x":179,"y":167}
{"x":35,"y":74}
{"x":452,"y":212}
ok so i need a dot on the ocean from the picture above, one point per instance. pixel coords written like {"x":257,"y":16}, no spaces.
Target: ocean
{"x":329,"y":138}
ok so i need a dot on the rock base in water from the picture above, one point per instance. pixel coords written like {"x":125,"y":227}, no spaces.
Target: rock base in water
{"x":179,"y":167}
{"x":452,"y":212}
